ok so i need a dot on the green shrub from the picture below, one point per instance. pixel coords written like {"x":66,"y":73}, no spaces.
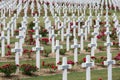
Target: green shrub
{"x":8,"y":69}
{"x":31,"y":25}
{"x":62,"y":51}
{"x":47,"y":51}
{"x":28,"y":69}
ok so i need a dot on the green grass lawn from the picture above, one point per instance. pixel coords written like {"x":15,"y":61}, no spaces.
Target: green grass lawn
{"x":95,"y":75}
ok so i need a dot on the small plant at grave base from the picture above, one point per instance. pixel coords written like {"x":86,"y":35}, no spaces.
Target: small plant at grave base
{"x":70,"y":62}
{"x":101,"y":48}
{"x":29,"y":38}
{"x":8,"y":53}
{"x":43,"y":32}
{"x":28,"y":69}
{"x":30,"y":53}
{"x":87,"y":49}
{"x":47,"y":51}
{"x":31,"y":25}
{"x":62,"y":51}
{"x":117,"y":58}
{"x":100,"y":60}
{"x":116,"y":45}
{"x":8,"y":47}
{"x":8,"y":69}
{"x":51,"y":66}
{"x":16,"y":32}
{"x":18,"y":25}
{"x":113,"y":34}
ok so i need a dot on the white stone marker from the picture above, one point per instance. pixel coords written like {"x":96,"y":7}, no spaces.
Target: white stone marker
{"x":109,"y":63}
{"x":62,"y":31}
{"x":64,"y":67}
{"x":92,"y":45}
{"x":53,"y":41}
{"x":118,"y":33}
{"x":88,"y":65}
{"x":2,"y":38}
{"x":8,"y":33}
{"x":38,"y":48}
{"x":75,"y":46}
{"x":81,"y":34}
{"x":57,"y":49}
{"x":74,"y":29}
{"x":68,"y":34}
{"x":21,"y":40}
{"x":86,"y":31}
{"x":17,"y":51}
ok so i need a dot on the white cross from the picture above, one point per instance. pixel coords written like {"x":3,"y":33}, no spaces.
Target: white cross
{"x":17,"y":51}
{"x":75,"y":46}
{"x":8,"y":33}
{"x":88,"y":65}
{"x":21,"y":40}
{"x":85,"y":27}
{"x":118,"y":33}
{"x":108,"y":44}
{"x":53,"y":41}
{"x":38,"y":48}
{"x":74,"y":29}
{"x":62,"y":31}
{"x":57,"y":49}
{"x":64,"y":67}
{"x":92,"y":45}
{"x":109,"y":63}
{"x":2,"y":38}
{"x":68,"y":34}
{"x":81,"y":34}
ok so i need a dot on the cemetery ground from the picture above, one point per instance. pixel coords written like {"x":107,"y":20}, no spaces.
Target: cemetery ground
{"x":46,"y":72}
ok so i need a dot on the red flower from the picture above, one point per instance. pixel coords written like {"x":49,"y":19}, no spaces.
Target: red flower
{"x":59,"y":63}
{"x":17,"y":65}
{"x":47,"y":3}
{"x":117,"y":58}
{"x":84,"y":59}
{"x":71,"y":23}
{"x":43,"y":63}
{"x":102,"y":63}
{"x":25,"y":51}
{"x":8,"y":53}
{"x":70,"y":62}
{"x":99,"y":36}
{"x":76,"y":23}
{"x":8,"y":46}
{"x":93,"y":57}
{"x":46,"y":40}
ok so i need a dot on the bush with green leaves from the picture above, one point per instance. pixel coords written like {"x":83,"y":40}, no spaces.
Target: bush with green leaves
{"x":62,"y":51}
{"x":31,"y":25}
{"x":28,"y":69}
{"x":47,"y":51}
{"x":8,"y":69}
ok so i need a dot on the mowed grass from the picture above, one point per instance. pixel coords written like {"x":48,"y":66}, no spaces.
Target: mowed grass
{"x":95,"y":75}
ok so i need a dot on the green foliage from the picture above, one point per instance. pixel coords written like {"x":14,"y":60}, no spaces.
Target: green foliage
{"x":31,"y":25}
{"x":47,"y":51}
{"x":28,"y":69}
{"x":8,"y":69}
{"x":62,"y":51}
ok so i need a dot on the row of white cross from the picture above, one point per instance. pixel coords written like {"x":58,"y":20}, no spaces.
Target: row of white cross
{"x":57,"y":47}
{"x":83,"y":32}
